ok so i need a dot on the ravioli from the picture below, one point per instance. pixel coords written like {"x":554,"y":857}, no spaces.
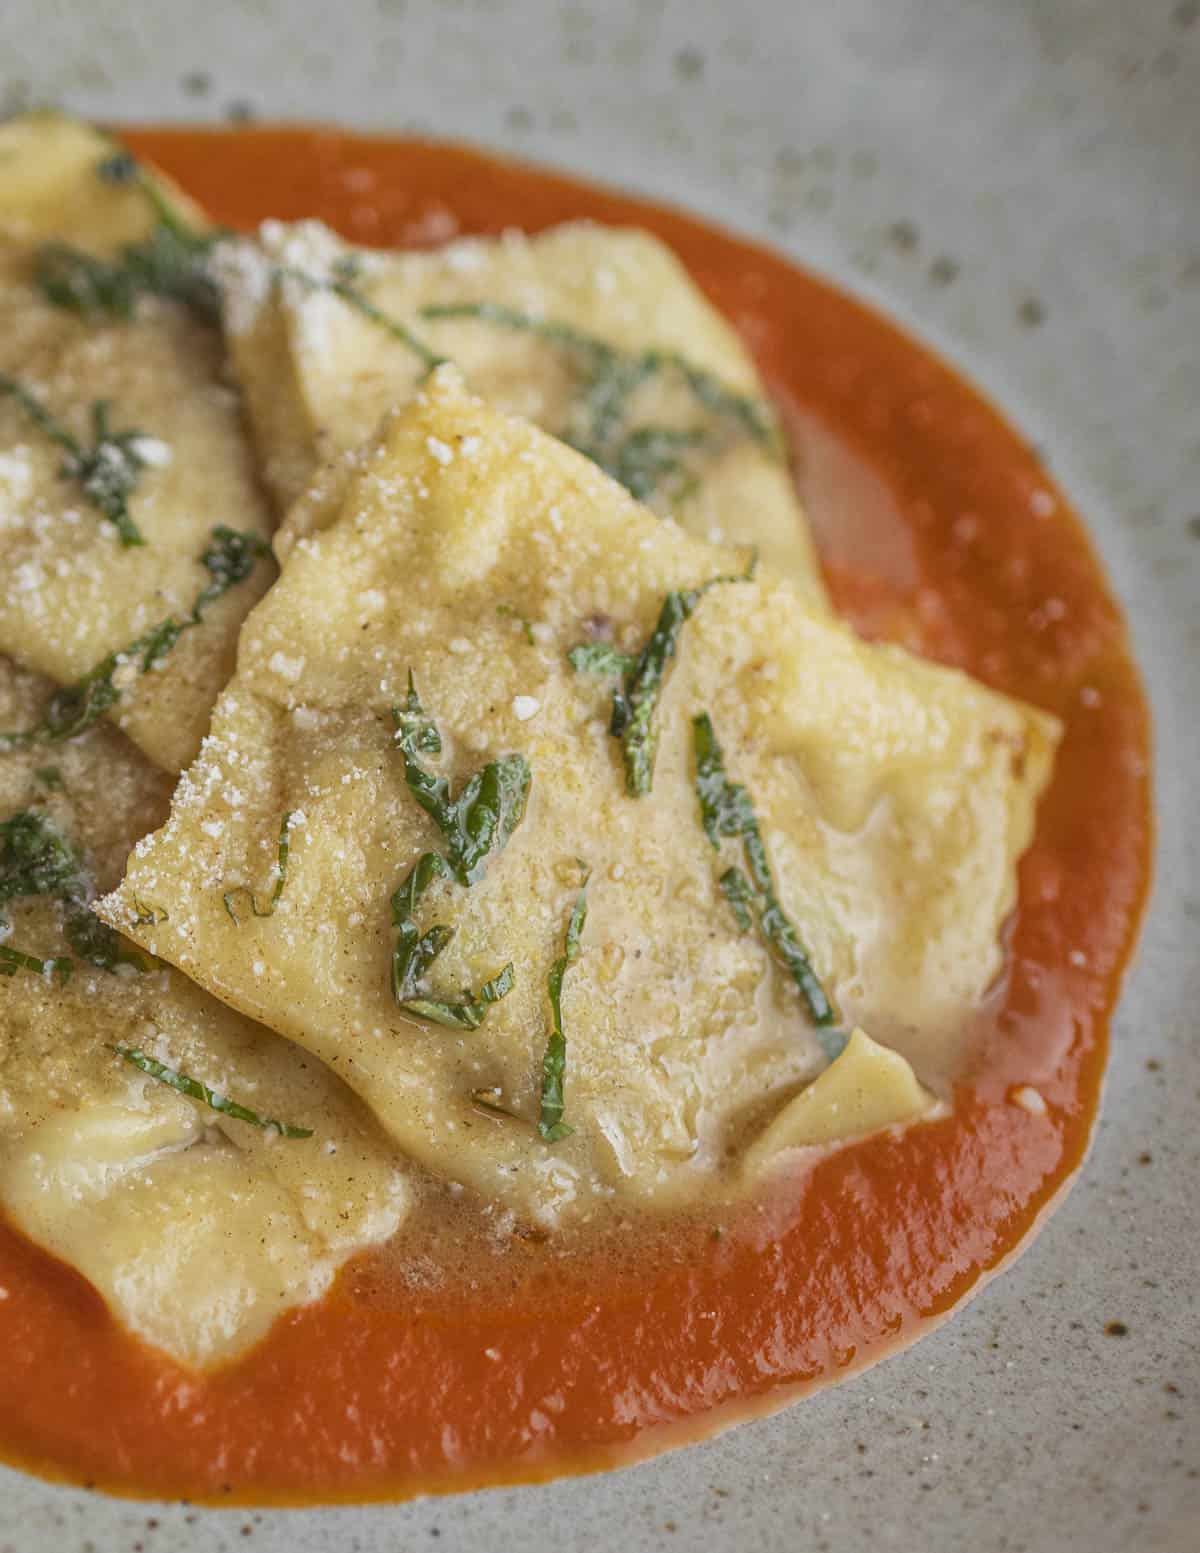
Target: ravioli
{"x":596,"y":334}
{"x":865,"y":1089}
{"x":892,"y":798}
{"x":132,"y":532}
{"x":197,"y":1228}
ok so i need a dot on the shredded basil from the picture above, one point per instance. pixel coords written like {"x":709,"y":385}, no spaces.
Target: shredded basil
{"x":36,"y":859}
{"x":636,"y":696}
{"x":554,"y":1062}
{"x":195,"y":1090}
{"x":50,"y":777}
{"x":14,"y":960}
{"x":341,"y":284}
{"x":647,"y":460}
{"x":281,"y":872}
{"x":489,"y":807}
{"x":726,"y":809}
{"x":415,"y":952}
{"x":600,"y":658}
{"x":172,"y":262}
{"x":471,"y":1012}
{"x":475,"y":824}
{"x":229,"y":559}
{"x":107,"y":472}
{"x":736,"y":889}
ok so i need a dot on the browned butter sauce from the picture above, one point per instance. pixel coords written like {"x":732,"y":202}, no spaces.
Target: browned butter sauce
{"x":519,"y":1360}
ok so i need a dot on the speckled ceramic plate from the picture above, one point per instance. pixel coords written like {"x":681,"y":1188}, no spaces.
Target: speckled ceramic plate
{"x":1019,"y":183}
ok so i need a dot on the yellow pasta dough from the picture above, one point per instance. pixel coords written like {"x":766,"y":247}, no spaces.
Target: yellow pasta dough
{"x":124,"y":469}
{"x":893,"y":798}
{"x":596,"y":334}
{"x":197,"y":1228}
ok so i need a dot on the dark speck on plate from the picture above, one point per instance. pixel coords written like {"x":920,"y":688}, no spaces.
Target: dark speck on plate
{"x":943,"y":271}
{"x":689,"y":64}
{"x":904,"y":236}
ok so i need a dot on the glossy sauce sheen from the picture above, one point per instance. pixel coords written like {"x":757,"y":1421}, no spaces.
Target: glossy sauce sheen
{"x":939,"y":528}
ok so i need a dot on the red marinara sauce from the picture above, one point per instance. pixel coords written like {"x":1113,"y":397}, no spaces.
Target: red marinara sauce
{"x":939,"y":528}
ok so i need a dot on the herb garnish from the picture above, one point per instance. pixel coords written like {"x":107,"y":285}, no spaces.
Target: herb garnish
{"x":280,"y":871}
{"x":195,"y":1090}
{"x":14,"y":960}
{"x":107,"y":472}
{"x":36,"y":859}
{"x":726,"y":809}
{"x":641,"y":679}
{"x":644,"y":459}
{"x":340,"y":283}
{"x":554,"y":1062}
{"x":415,"y":952}
{"x":487,"y":810}
{"x":229,"y":559}
{"x":172,"y":262}
{"x":475,"y":824}
{"x":50,"y":777}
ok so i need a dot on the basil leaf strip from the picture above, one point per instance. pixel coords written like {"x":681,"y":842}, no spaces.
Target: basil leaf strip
{"x":36,"y":859}
{"x":554,"y":1063}
{"x":636,"y":696}
{"x":195,"y":1090}
{"x":171,"y":263}
{"x":229,"y":558}
{"x":486,"y":812}
{"x":107,"y":472}
{"x":475,"y":824}
{"x":644,"y":459}
{"x":281,"y":872}
{"x":341,"y":285}
{"x":726,"y":809}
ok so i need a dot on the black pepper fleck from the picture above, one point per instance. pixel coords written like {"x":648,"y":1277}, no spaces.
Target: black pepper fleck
{"x":1031,"y":313}
{"x":1116,"y":1329}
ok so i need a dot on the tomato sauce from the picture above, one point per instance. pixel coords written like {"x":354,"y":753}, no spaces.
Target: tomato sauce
{"x":938,"y":528}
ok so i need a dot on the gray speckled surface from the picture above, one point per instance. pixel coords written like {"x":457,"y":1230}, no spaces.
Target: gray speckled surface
{"x":1020,"y":182}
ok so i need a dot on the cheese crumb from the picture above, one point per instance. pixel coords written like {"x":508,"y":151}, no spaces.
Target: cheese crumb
{"x":287,"y":668}
{"x":440,"y":450}
{"x":1030,"y":1100}
{"x":525,"y":707}
{"x":153,"y":452}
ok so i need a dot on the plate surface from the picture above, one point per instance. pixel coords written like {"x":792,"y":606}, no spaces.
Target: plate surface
{"x":1019,"y":184}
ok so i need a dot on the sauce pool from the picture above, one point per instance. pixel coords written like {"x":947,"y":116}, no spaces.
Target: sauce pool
{"x":938,"y":528}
